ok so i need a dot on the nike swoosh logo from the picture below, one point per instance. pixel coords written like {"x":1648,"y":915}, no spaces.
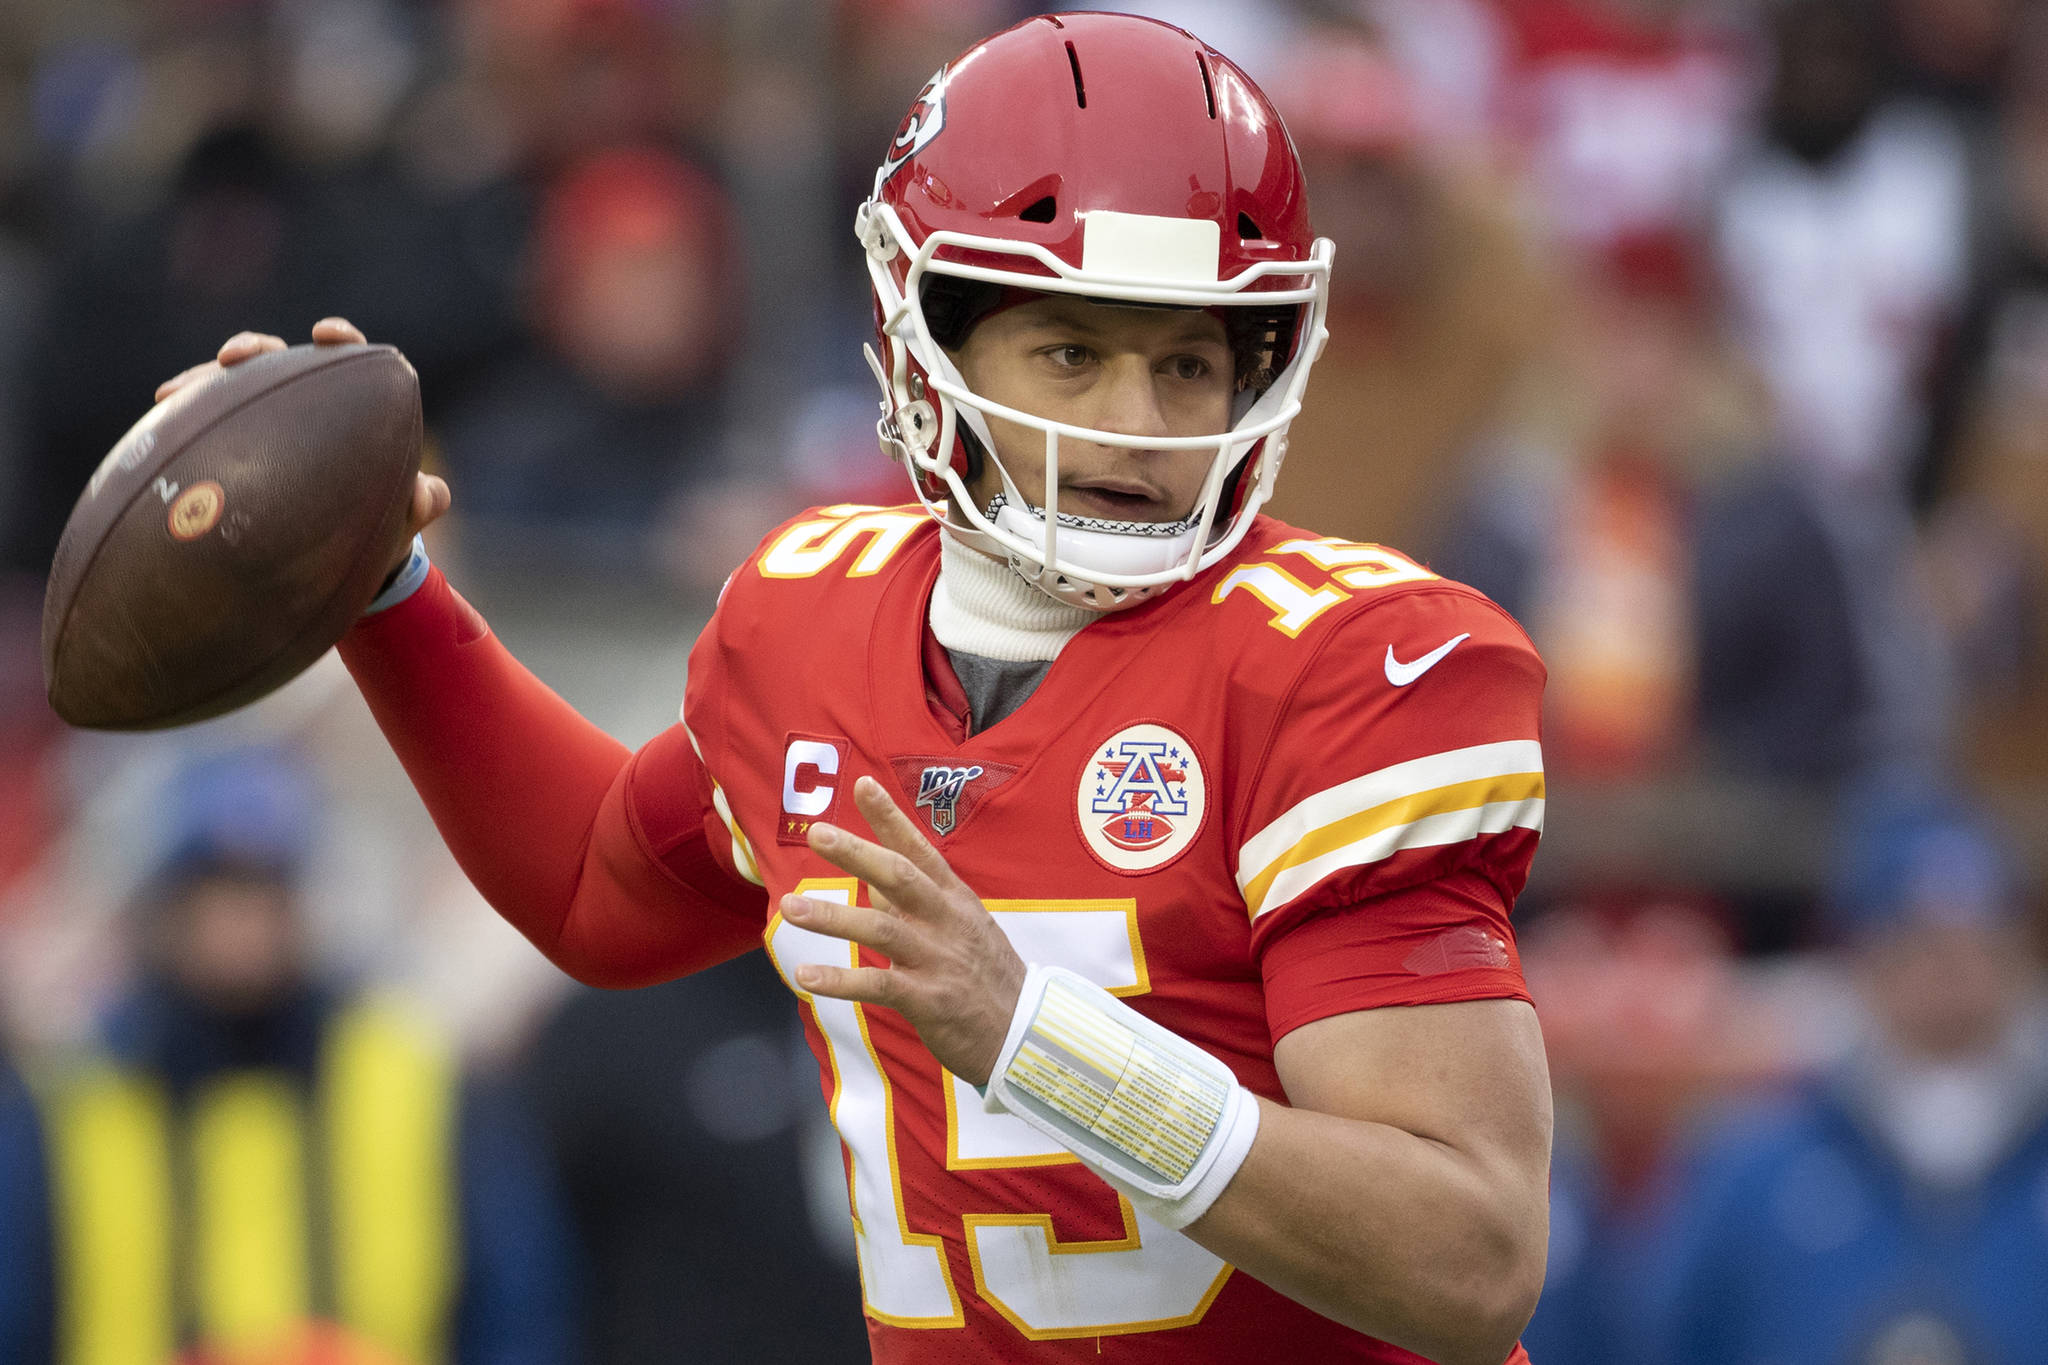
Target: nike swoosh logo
{"x":1400,"y":674}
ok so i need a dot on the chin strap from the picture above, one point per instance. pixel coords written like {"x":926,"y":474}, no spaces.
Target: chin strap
{"x":1095,"y":545}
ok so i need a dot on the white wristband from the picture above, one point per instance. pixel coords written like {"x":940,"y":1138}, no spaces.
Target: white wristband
{"x":1143,"y":1108}
{"x":406,"y":584}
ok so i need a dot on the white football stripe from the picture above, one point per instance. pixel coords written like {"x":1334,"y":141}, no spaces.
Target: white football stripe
{"x":1431,"y":831}
{"x":1376,"y":788}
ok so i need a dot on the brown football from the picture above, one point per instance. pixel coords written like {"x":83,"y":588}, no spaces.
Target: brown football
{"x":231,"y":536}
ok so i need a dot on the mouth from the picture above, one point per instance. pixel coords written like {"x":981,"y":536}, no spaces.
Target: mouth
{"x":1115,"y":500}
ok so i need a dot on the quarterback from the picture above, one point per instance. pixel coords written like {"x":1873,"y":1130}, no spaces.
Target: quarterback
{"x":1142,"y":866}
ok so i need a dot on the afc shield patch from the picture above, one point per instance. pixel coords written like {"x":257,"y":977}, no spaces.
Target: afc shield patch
{"x":1142,"y":798}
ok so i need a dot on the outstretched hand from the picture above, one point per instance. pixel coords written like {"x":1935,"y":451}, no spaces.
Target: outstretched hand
{"x":952,"y":972}
{"x":430,"y":496}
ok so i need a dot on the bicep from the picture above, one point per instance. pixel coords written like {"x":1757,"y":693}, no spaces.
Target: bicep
{"x":656,"y":900}
{"x":1470,"y":1076}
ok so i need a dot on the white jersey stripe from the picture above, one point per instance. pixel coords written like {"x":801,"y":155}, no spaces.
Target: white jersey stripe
{"x":1271,"y":844}
{"x":1431,"y":831}
{"x":742,"y":851}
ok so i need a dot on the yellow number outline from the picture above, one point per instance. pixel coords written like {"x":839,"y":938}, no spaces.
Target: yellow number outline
{"x":851,"y":887}
{"x":810,"y":548}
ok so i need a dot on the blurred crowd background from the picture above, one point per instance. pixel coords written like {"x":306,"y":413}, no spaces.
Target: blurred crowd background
{"x":1708,"y":336}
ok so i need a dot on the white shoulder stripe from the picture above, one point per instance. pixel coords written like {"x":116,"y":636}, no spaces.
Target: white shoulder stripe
{"x":1432,"y":831}
{"x":1424,"y":802}
{"x":1386,"y":784}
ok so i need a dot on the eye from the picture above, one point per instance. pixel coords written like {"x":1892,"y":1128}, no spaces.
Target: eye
{"x":1068,"y":357}
{"x":1188,"y":367}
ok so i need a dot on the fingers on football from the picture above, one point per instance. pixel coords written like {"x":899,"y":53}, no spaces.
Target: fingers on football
{"x":337,"y":332}
{"x":870,"y":985}
{"x":854,"y":923}
{"x":244,"y":345}
{"x":899,"y":832}
{"x":430,"y":502}
{"x":184,"y":377}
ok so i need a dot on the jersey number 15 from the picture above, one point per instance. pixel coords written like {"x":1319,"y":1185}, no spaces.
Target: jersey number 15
{"x":1150,"y":1279}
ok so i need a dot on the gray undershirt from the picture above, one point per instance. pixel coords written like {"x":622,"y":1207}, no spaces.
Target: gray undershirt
{"x":995,"y":687}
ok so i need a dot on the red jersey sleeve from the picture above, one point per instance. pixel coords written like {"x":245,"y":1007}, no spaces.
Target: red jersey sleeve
{"x":1394,"y":811}
{"x":606,"y":859}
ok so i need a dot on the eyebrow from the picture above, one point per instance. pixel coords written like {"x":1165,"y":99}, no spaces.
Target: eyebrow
{"x":1079,"y":317}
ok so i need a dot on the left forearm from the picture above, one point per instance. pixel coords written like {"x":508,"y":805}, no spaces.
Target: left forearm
{"x":1402,"y":1237}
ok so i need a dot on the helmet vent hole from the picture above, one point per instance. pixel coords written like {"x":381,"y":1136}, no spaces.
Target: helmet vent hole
{"x":1247,"y":229}
{"x":1040,"y":210}
{"x":1208,"y":90}
{"x":1080,"y":91}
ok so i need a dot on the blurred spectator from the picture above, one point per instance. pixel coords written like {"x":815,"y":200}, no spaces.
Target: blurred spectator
{"x":1591,"y":1312}
{"x":1646,"y":1017}
{"x":1989,"y":531}
{"x":614,"y":404}
{"x":266,"y":1166}
{"x":1623,"y":113}
{"x":1454,"y":52}
{"x":135,"y":301}
{"x":1436,"y":311}
{"x":1578,"y":517}
{"x":679,"y":1117}
{"x":571,"y":77}
{"x":1891,"y":1211}
{"x":1609,"y":601}
{"x":25,"y":1289}
{"x":1843,"y":246}
{"x":1957,"y":51}
{"x":1785,"y":683}
{"x":250,"y":237}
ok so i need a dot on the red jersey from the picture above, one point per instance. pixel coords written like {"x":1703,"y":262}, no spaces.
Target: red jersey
{"x":1307,"y":782}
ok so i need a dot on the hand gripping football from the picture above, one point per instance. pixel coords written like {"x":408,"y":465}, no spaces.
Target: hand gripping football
{"x":228,"y":540}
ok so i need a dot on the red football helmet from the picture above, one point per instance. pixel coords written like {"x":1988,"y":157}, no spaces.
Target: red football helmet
{"x":1116,"y":158}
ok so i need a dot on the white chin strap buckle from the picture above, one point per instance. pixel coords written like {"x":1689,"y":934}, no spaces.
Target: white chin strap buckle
{"x":1095,"y":546}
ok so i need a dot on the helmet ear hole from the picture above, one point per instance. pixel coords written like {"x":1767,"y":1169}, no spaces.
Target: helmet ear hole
{"x":1040,"y":211}
{"x":1247,"y":230}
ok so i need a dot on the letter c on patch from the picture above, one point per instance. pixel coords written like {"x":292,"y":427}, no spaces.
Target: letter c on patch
{"x":809,"y":793}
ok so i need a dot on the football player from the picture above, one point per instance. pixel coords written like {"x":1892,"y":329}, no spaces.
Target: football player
{"x":1142,"y":865}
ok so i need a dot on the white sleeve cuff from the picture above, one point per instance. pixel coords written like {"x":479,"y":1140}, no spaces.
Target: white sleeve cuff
{"x":406,"y":584}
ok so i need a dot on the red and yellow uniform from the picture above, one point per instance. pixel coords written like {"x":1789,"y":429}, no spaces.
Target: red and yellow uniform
{"x":1305,"y":783}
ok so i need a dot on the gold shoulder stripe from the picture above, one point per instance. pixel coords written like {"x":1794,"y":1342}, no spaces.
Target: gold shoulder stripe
{"x":1423,"y":803}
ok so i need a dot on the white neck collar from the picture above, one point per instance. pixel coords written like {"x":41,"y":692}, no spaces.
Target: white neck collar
{"x":981,"y":606}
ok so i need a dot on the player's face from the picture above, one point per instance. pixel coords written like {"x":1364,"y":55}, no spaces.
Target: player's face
{"x":1131,"y":371}
{"x":232,"y":942}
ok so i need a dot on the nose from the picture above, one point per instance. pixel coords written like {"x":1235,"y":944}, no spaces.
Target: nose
{"x":1128,"y":395}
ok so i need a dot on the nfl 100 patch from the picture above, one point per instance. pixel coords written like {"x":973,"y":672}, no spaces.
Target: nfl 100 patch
{"x":947,"y":790}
